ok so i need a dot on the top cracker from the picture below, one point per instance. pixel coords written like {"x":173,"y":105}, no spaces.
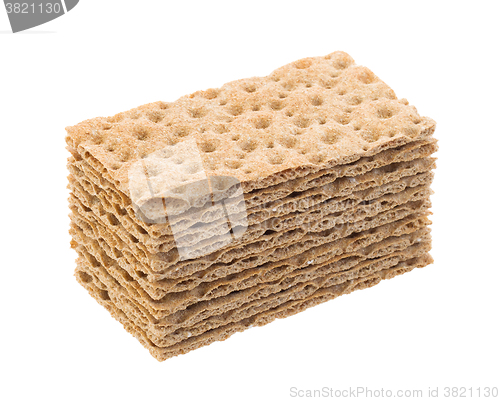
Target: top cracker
{"x":309,"y":115}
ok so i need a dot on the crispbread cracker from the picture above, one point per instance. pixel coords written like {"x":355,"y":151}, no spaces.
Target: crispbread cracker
{"x":299,"y":257}
{"x":207,"y":290}
{"x":408,"y":245}
{"x":119,"y":204}
{"x":232,"y":207}
{"x":269,"y":302}
{"x":216,"y":271}
{"x":161,"y":289}
{"x":300,"y":201}
{"x":317,"y":224}
{"x":164,"y":336}
{"x":323,"y":294}
{"x":347,"y":199}
{"x":261,"y":131}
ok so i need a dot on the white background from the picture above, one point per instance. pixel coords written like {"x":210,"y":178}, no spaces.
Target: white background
{"x":437,"y":326}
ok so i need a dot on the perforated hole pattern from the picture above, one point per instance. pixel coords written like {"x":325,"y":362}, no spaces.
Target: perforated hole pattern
{"x":307,"y":113}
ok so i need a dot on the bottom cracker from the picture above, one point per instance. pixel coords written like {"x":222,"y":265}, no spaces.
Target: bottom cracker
{"x":324,"y":293}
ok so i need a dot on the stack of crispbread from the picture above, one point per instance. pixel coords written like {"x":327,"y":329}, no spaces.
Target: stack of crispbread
{"x":232,"y":207}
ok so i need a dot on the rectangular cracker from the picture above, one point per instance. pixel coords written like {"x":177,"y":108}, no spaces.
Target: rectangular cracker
{"x":313,"y":233}
{"x":409,"y":245}
{"x":154,"y":289}
{"x":286,"y":309}
{"x":206,"y":290}
{"x":315,"y":236}
{"x":119,"y":204}
{"x":309,"y":115}
{"x":168,"y":336}
{"x":116,"y":233}
{"x":299,"y":202}
{"x":335,"y":174}
{"x":156,"y":310}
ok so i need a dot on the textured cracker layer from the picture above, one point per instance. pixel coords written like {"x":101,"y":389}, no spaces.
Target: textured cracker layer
{"x":391,"y":249}
{"x":200,"y":233}
{"x":403,"y":218}
{"x":350,"y":193}
{"x":310,"y":227}
{"x":104,"y":192}
{"x":85,"y":224}
{"x":303,"y":117}
{"x":291,"y":307}
{"x":208,"y":290}
{"x":311,"y":244}
{"x":167,"y":336}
